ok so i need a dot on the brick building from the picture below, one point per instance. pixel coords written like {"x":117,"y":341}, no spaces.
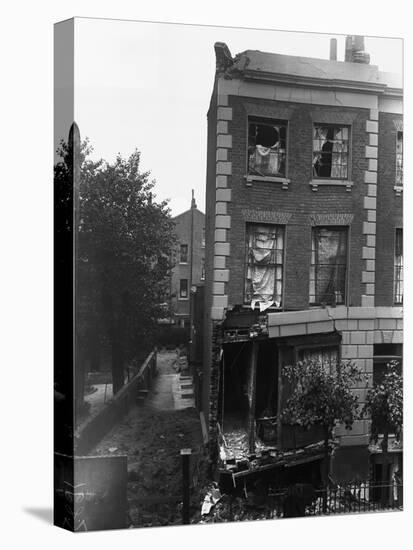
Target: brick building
{"x":189,"y":258}
{"x":303,"y":203}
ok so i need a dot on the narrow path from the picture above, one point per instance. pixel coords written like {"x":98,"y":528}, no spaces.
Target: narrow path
{"x":171,"y":391}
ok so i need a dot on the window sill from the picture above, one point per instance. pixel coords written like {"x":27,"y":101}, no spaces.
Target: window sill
{"x":316,"y":183}
{"x":272,"y":179}
{"x":398,"y":190}
{"x":183,"y":299}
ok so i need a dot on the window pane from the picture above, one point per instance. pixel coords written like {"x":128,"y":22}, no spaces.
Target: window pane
{"x":327,"y":357}
{"x":183,"y":258}
{"x":330,"y":152}
{"x":264,"y":262}
{"x":183,"y":288}
{"x":398,"y":267}
{"x":399,"y":159}
{"x":328,"y":265}
{"x":267,"y":148}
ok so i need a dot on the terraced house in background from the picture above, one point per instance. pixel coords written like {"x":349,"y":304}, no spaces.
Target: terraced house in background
{"x":304,"y":247}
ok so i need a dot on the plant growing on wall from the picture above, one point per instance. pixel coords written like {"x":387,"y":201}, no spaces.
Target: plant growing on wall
{"x":384,"y":405}
{"x":322,"y":396}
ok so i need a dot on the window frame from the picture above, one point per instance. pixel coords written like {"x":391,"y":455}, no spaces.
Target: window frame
{"x":268,"y":121}
{"x":202,"y":276}
{"x":317,"y":181}
{"x":328,"y":126}
{"x":180,"y":253}
{"x":386,"y":358}
{"x":346,"y":230}
{"x":180,"y":290}
{"x":283,"y":227}
{"x":396,"y":267}
{"x":399,"y":184}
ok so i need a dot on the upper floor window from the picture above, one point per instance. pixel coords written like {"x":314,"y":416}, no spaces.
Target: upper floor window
{"x":267,"y":148}
{"x":328,"y":265}
{"x":203,"y":238}
{"x":330,"y":151}
{"x":264,"y":265}
{"x":183,"y":288}
{"x":398,"y":267}
{"x":399,"y":159}
{"x":183,"y":254}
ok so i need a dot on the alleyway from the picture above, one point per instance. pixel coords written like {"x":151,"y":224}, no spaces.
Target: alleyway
{"x":172,"y":389}
{"x":152,"y":436}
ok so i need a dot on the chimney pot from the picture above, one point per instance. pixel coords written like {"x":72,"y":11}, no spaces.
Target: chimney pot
{"x":333,"y":49}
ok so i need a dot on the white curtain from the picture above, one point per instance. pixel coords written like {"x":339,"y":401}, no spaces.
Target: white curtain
{"x":264,"y":278}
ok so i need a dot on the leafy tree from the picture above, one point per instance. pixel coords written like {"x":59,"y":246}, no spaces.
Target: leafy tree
{"x":322,"y":397}
{"x":384,"y":405}
{"x":124,"y":241}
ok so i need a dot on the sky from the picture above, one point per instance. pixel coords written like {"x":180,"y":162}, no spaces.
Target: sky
{"x":147,"y":86}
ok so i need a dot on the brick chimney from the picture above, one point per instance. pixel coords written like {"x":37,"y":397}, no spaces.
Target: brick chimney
{"x":355,"y":50}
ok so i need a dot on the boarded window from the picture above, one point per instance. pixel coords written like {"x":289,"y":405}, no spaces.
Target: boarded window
{"x":330,"y":151}
{"x":264,"y":265}
{"x":328,"y":265}
{"x":267,"y":148}
{"x":183,"y":288}
{"x":398,"y":267}
{"x":399,"y":159}
{"x":183,"y":254}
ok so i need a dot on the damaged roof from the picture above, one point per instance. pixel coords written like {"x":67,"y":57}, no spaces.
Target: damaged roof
{"x":264,"y":65}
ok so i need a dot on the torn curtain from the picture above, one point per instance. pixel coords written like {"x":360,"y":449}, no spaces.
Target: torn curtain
{"x":265,"y":244}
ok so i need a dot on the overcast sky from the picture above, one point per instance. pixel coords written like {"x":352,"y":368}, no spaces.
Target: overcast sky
{"x":148,"y":86}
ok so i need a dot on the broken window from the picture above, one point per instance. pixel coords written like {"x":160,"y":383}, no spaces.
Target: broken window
{"x":398,"y":267}
{"x":183,"y":254}
{"x":267,"y":148}
{"x":328,"y":265}
{"x":330,"y":151}
{"x":399,"y":159}
{"x":183,"y":288}
{"x":264,"y":265}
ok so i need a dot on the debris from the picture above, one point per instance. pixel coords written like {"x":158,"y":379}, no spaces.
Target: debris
{"x":211,"y":498}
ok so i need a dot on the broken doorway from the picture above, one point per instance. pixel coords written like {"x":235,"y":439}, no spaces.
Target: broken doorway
{"x":248,"y":397}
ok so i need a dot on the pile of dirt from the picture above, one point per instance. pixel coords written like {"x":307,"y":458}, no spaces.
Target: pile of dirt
{"x":152,"y":440}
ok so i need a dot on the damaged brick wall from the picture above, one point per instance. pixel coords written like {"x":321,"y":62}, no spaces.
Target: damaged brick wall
{"x":299,"y":202}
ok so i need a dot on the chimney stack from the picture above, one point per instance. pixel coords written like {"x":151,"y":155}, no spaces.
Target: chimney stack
{"x":355,"y":50}
{"x":333,"y":49}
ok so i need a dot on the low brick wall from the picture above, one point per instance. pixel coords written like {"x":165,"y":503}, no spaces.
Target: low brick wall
{"x":113,"y":412}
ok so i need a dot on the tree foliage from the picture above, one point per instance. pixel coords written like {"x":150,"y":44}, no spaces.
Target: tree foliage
{"x":384,"y":404}
{"x":321,"y":396}
{"x":124,"y":238}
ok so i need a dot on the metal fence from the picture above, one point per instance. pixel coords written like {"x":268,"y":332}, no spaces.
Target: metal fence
{"x":358,"y":498}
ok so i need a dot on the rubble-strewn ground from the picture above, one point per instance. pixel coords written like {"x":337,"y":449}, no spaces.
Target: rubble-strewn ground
{"x":152,"y":439}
